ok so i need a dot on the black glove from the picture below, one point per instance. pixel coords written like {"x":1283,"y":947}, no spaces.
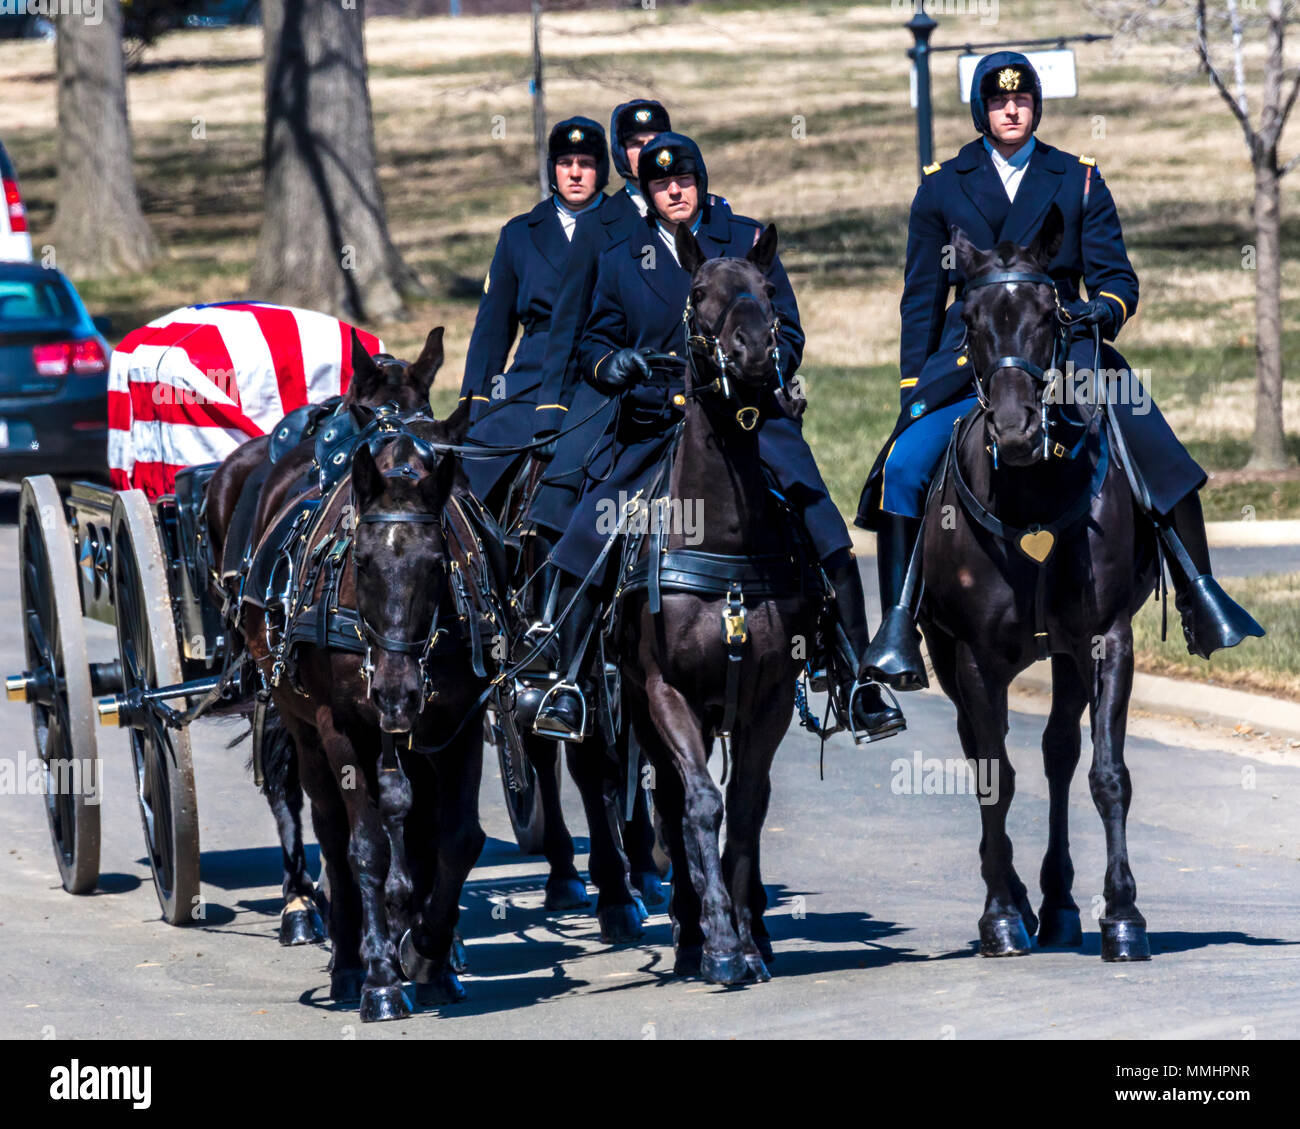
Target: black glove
{"x":546,"y":452}
{"x":1093,"y":311}
{"x":620,"y":371}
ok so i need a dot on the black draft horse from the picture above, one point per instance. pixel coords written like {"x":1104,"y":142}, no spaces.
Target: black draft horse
{"x":1033,"y":546}
{"x":390,"y":743}
{"x":374,"y":382}
{"x":675,"y":664}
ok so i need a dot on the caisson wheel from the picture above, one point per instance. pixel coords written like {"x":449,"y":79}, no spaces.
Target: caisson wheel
{"x":57,"y":683}
{"x":164,"y":771}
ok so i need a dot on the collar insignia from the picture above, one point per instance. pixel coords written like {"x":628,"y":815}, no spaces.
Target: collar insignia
{"x":663,"y":158}
{"x":1008,"y":79}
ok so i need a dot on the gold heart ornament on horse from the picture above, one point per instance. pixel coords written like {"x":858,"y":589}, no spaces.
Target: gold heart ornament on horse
{"x":1037,"y":544}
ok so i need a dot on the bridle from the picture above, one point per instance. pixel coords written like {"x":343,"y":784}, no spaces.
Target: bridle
{"x":708,"y":344}
{"x":373,"y":638}
{"x":1049,"y":376}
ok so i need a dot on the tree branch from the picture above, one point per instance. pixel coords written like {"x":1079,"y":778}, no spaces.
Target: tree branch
{"x":1203,"y":49}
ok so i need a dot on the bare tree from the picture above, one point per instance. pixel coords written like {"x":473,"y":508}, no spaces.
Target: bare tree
{"x":98,"y":226}
{"x":325,"y":242}
{"x":540,"y":135}
{"x":1219,"y":35}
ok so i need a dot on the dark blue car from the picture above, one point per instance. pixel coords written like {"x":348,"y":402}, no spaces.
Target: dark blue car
{"x":53,"y":378}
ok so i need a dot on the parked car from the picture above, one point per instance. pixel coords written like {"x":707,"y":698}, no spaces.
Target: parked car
{"x":15,"y":240}
{"x":53,"y":378}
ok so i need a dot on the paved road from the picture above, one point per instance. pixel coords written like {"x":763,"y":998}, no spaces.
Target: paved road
{"x":875,"y":896}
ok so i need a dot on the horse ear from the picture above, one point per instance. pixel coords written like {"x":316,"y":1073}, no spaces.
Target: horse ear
{"x":456,"y":426}
{"x":689,"y":252}
{"x":427,"y":364}
{"x":366,"y":375}
{"x":1048,"y":240}
{"x":763,"y":253}
{"x":435,"y":488}
{"x":966,"y":251}
{"x":367,"y":479}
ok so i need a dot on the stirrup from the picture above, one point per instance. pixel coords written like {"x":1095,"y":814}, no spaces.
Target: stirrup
{"x":551,"y":728}
{"x":861,"y":736}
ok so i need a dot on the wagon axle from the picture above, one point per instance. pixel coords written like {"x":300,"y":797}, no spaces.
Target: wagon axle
{"x":130,"y":709}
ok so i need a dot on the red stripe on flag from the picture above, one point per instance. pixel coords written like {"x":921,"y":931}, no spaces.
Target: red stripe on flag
{"x":369,"y":342}
{"x":118,"y":480}
{"x":280,"y":328}
{"x":155,"y":479}
{"x":165,"y":403}
{"x":119,"y":411}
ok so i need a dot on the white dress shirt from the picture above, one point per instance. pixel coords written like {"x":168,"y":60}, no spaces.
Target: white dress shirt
{"x":1011,"y":169}
{"x":670,"y":237}
{"x":569,"y":218}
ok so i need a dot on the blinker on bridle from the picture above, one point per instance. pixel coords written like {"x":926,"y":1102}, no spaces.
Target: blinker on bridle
{"x":1037,"y":278}
{"x":709,"y":344}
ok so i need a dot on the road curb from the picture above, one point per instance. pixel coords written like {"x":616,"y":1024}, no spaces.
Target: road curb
{"x":1220,"y":534}
{"x":1195,"y":701}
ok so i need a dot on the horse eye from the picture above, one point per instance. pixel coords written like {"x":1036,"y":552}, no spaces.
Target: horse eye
{"x":697,"y":295}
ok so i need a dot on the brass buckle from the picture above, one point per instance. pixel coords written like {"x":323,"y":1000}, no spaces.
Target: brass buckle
{"x":747,"y":418}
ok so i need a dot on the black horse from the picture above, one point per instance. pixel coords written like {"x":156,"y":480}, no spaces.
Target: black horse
{"x":1032,"y":546}
{"x":388,"y":722}
{"x":717,"y":656}
{"x":242,"y":475}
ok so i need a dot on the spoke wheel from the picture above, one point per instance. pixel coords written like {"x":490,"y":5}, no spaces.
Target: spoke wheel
{"x":54,"y":637}
{"x":525,"y":806}
{"x":160,"y":755}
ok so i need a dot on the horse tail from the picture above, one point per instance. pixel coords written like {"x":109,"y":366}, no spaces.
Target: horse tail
{"x":278,"y":756}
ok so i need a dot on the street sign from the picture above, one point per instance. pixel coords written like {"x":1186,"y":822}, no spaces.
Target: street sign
{"x":1055,"y":71}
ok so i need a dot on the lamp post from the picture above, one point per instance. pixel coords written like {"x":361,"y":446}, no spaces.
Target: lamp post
{"x":922,"y":26}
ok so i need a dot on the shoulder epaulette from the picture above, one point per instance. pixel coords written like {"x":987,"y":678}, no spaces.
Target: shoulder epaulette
{"x":1087,"y":160}
{"x":931,"y":168}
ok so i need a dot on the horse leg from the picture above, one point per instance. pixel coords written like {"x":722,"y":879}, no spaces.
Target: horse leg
{"x":617,"y":909}
{"x":565,"y":890}
{"x":1123,"y":928}
{"x":748,"y":793}
{"x":300,"y":922}
{"x":1059,"y":915}
{"x":394,"y":793}
{"x":981,"y":702}
{"x":427,"y":947}
{"x":368,"y":859}
{"x":329,"y":818}
{"x":723,"y":960}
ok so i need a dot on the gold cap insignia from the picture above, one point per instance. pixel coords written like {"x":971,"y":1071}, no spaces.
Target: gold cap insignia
{"x":575,"y":135}
{"x":664,"y":158}
{"x":1008,"y":79}
{"x":642,"y":116}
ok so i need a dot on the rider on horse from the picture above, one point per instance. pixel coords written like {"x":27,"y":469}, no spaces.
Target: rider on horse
{"x":641,"y":294}
{"x":531,"y":258}
{"x":997,"y":189}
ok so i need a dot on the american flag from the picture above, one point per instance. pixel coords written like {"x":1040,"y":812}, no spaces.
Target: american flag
{"x":194,"y":384}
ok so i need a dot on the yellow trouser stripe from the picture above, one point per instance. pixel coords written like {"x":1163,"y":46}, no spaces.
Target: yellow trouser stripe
{"x":909,"y":382}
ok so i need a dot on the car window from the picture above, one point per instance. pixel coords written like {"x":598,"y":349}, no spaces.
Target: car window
{"x":33,"y":300}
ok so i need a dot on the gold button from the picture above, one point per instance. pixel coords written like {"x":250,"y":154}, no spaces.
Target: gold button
{"x":672,"y":352}
{"x":961,"y":360}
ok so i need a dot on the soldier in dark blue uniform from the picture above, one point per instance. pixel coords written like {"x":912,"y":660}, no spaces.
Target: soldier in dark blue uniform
{"x":531,"y":258}
{"x":998,"y":189}
{"x":640,"y":295}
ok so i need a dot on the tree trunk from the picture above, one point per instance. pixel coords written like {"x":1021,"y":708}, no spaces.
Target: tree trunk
{"x":540,"y":135}
{"x":325,"y":243}
{"x":98,"y":227}
{"x":1269,"y":449}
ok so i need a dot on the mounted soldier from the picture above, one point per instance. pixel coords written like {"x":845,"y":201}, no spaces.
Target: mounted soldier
{"x":998,"y":189}
{"x":531,"y":258}
{"x":641,"y":295}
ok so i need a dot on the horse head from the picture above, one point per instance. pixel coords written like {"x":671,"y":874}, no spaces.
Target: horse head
{"x":1010,"y":311}
{"x":383,"y":379}
{"x":399,"y":554}
{"x":730,"y":317}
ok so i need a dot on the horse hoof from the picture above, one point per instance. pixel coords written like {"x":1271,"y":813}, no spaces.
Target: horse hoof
{"x":1059,"y":928}
{"x":720,"y":968}
{"x":301,"y":927}
{"x":652,"y":890}
{"x":1124,"y":940}
{"x":381,"y":1004}
{"x":415,"y":965}
{"x":1003,"y":937}
{"x":445,"y":988}
{"x":764,"y":947}
{"x":688,"y":959}
{"x":345,"y":985}
{"x":755,"y":969}
{"x":456,"y":958}
{"x":566,"y":893}
{"x":619,"y":924}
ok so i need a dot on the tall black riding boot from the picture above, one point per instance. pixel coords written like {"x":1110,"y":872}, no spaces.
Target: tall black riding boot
{"x":1211,"y":618}
{"x":894,"y":655}
{"x":870,"y":716}
{"x":563,"y":712}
